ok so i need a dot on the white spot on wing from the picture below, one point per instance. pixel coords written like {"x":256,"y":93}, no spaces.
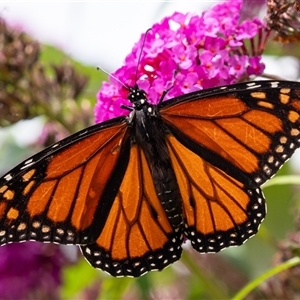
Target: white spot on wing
{"x":8,"y":177}
{"x":274,"y":84}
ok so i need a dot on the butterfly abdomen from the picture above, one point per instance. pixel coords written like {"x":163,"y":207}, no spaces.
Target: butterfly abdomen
{"x":150,"y":135}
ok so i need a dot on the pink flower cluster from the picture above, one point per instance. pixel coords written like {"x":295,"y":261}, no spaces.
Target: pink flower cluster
{"x":188,"y":52}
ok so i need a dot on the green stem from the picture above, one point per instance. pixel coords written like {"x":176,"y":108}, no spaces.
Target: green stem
{"x":256,"y":282}
{"x":282,"y":180}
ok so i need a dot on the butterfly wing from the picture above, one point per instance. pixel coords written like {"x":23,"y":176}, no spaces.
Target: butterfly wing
{"x":224,"y":144}
{"x":137,"y":236}
{"x":56,"y":195}
{"x":94,"y":189}
{"x":219,"y":211}
{"x":248,"y":130}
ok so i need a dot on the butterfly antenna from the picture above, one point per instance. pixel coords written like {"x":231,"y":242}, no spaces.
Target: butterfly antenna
{"x":140,"y":55}
{"x":136,"y":73}
{"x":114,"y":77}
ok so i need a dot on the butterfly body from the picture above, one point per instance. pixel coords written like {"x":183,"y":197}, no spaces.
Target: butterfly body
{"x":129,"y":190}
{"x":149,"y":134}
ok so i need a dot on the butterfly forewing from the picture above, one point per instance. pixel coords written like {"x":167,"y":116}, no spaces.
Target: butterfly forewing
{"x":248,"y":131}
{"x":55,"y":195}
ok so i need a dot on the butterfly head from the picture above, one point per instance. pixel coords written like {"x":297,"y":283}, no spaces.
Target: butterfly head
{"x":137,"y":97}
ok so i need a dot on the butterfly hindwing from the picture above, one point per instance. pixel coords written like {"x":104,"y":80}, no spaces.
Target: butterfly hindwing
{"x":219,"y":211}
{"x":137,"y":236}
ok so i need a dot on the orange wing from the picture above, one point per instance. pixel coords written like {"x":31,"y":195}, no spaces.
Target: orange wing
{"x":248,"y":132}
{"x":55,"y":195}
{"x":225,"y":143}
{"x":137,"y":236}
{"x":219,"y":210}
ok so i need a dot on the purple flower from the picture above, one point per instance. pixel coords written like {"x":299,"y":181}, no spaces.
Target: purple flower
{"x":255,"y":67}
{"x":187,"y":52}
{"x":30,"y":271}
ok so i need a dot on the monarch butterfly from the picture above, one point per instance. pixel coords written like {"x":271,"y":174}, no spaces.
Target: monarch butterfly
{"x":129,"y":190}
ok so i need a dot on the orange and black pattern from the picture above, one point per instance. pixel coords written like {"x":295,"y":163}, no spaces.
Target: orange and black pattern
{"x":130,"y":190}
